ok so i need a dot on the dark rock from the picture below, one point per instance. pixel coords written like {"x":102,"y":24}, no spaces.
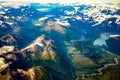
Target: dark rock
{"x":113,"y":44}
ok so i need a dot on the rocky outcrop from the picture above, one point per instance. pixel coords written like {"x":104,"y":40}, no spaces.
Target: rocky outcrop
{"x":43,"y":52}
{"x":38,"y":61}
{"x":8,"y":40}
{"x":6,"y":49}
{"x":14,"y":67}
{"x":42,"y":47}
{"x":35,"y":73}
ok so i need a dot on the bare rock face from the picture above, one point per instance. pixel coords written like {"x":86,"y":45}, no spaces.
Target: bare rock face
{"x":10,"y":60}
{"x":8,"y":40}
{"x":6,"y":49}
{"x":43,"y":41}
{"x":38,"y":73}
{"x":35,"y":73}
{"x":43,"y":52}
{"x":14,"y":67}
{"x":38,"y":61}
{"x":41,"y":47}
{"x":3,"y":64}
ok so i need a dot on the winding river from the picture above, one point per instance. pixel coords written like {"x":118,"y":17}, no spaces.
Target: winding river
{"x":100,"y":69}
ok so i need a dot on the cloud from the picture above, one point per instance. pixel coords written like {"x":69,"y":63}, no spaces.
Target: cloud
{"x":68,"y":1}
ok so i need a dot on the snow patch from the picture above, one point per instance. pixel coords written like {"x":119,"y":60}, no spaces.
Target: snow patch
{"x":43,"y":18}
{"x":62,"y":22}
{"x":95,"y":12}
{"x":76,"y":8}
{"x":43,"y":9}
{"x":114,"y":35}
{"x":6,"y":17}
{"x":38,"y":42}
{"x":8,"y":22}
{"x":2,"y":12}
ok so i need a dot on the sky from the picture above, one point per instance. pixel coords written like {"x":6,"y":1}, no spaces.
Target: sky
{"x":68,"y":1}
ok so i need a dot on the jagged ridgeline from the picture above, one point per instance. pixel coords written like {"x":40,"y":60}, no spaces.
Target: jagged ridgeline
{"x":59,"y":42}
{"x":39,"y":61}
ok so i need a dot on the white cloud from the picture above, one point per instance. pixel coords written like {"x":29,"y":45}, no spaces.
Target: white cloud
{"x":67,"y":1}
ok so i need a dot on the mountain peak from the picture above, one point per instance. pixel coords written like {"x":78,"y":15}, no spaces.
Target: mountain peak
{"x":42,"y":42}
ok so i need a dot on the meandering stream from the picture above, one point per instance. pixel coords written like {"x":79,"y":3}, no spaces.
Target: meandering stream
{"x":100,"y":69}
